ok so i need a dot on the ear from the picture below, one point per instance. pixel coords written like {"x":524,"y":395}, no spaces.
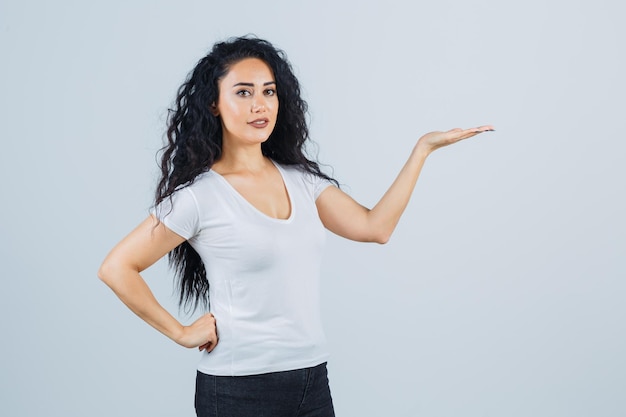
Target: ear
{"x":213,"y":109}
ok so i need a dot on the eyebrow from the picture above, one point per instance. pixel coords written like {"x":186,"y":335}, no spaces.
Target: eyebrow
{"x":252,"y":85}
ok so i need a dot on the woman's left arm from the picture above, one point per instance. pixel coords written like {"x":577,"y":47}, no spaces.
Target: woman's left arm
{"x":344,"y":216}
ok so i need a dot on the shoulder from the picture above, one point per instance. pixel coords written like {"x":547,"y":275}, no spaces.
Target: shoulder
{"x":201,"y":184}
{"x":201,"y":180}
{"x":313,"y":183}
{"x":190,"y":192}
{"x":295,"y":173}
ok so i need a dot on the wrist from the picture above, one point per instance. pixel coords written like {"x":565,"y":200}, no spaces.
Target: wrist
{"x":421,"y":151}
{"x":178,"y":334}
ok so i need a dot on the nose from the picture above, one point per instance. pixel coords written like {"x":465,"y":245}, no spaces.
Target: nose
{"x":258,"y":105}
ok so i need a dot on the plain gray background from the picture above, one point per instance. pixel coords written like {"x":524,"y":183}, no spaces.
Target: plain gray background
{"x":502,"y":291}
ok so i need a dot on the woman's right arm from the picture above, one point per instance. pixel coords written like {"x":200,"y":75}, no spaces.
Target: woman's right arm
{"x":121,"y":269}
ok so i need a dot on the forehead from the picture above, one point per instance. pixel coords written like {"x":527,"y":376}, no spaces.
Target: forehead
{"x":252,"y":70}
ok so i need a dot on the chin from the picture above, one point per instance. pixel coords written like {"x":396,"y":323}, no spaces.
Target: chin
{"x":261,"y":139}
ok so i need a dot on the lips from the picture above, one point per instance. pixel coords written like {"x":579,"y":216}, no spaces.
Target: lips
{"x":259,"y":123}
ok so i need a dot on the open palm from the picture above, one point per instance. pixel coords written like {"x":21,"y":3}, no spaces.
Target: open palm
{"x":435,"y":140}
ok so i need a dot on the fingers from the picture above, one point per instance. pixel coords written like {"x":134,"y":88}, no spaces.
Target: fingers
{"x":208,"y":323}
{"x":460,"y":134}
{"x":486,"y":128}
{"x":209,"y":346}
{"x":479,"y":129}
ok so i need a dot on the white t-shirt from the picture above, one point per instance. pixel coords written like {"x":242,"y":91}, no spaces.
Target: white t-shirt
{"x":264,"y":273}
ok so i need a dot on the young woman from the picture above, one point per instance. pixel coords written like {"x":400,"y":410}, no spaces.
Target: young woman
{"x":241,"y":211}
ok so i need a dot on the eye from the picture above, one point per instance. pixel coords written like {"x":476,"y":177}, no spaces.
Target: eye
{"x":270,"y":92}
{"x":243,"y":93}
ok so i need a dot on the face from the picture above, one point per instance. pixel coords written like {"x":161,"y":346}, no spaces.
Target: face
{"x":247,"y":103}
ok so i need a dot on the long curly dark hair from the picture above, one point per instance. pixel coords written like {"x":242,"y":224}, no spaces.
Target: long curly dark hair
{"x":194,"y":140}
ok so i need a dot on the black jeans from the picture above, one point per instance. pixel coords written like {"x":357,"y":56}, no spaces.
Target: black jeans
{"x":297,"y":393}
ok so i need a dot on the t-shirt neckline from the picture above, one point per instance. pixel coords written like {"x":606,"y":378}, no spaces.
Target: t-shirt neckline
{"x":249,"y":204}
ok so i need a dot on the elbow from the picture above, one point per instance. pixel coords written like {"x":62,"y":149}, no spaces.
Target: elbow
{"x":382,"y":237}
{"x":108,"y":272}
{"x":115,"y":273}
{"x":381,"y":240}
{"x":377,"y":233}
{"x":104,"y":273}
{"x":379,"y":230}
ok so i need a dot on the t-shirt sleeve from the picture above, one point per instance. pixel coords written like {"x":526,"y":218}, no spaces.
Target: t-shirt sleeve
{"x":319,"y":185}
{"x":180,"y":214}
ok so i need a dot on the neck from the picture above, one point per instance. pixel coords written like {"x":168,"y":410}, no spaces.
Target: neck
{"x":241,"y":158}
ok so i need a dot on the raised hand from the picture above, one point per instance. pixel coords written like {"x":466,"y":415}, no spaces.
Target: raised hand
{"x":435,"y":140}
